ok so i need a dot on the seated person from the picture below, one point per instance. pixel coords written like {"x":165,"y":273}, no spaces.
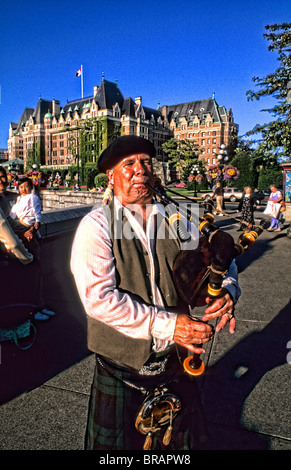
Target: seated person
{"x":23,"y":280}
{"x":27,"y":210}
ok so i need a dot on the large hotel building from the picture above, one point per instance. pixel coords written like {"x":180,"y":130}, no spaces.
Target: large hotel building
{"x":55,"y":134}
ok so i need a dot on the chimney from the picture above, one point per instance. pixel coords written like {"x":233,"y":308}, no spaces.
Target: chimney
{"x":138,"y":100}
{"x":55,"y":107}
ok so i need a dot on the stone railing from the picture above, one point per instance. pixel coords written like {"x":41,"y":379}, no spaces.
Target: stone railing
{"x":55,"y":222}
{"x":59,"y":199}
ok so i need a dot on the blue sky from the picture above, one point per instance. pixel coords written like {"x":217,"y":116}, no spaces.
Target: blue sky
{"x":168,"y":52}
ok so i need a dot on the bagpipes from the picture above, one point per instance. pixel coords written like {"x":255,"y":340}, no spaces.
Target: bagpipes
{"x":198,"y":273}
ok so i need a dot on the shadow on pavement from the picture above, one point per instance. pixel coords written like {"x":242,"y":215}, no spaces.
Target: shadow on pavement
{"x":60,"y":341}
{"x":230,"y":382}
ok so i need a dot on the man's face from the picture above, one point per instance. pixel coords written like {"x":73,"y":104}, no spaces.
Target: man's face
{"x":129,"y":178}
{"x":3,"y":182}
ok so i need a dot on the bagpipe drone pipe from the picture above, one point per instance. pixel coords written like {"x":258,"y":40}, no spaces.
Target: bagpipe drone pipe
{"x":198,"y":273}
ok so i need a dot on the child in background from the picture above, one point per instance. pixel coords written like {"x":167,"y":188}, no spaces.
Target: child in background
{"x":27,"y":210}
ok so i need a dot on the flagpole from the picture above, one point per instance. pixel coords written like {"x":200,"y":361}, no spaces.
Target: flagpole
{"x":82,"y":80}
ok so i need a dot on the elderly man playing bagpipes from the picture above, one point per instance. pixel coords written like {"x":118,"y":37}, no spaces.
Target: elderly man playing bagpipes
{"x":139,"y":327}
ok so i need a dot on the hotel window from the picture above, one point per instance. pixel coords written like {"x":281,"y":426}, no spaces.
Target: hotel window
{"x":203,"y":142}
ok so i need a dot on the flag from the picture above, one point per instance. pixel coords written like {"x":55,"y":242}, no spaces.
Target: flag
{"x":79,"y":72}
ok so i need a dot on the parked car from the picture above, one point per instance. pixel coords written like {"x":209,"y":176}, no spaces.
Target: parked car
{"x":263,"y":195}
{"x":229,"y":194}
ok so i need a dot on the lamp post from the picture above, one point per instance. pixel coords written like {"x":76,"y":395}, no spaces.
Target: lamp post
{"x":222,"y":159}
{"x":77,"y":158}
{"x":194,"y":172}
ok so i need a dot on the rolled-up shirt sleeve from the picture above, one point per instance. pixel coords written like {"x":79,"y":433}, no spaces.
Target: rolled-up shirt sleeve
{"x":230,"y":282}
{"x":93,"y":267}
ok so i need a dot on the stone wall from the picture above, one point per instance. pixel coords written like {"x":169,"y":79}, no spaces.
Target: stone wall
{"x":55,"y":222}
{"x":59,"y":199}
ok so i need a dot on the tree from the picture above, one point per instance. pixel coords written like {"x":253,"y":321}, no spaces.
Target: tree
{"x":276,"y":136}
{"x":245,"y":163}
{"x":183,"y":154}
{"x":101,"y":180}
{"x":270,"y":176}
{"x":33,"y":156}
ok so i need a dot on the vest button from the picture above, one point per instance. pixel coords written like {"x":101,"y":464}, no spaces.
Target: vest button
{"x":145,"y":253}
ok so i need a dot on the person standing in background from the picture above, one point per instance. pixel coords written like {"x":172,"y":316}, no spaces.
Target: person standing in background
{"x":274,"y":204}
{"x":218,"y":193}
{"x":246,"y":206}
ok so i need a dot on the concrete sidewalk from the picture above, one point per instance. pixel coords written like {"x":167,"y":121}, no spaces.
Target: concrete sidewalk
{"x":245,"y":390}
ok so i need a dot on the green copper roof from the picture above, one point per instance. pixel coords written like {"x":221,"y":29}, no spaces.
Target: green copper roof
{"x":48,"y":114}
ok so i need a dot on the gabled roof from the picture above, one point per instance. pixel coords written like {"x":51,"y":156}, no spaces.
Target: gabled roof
{"x":24,"y":117}
{"x":76,"y":105}
{"x":41,"y":109}
{"x":149,"y":112}
{"x":128,"y":107}
{"x":199,"y":108}
{"x":108,"y":94}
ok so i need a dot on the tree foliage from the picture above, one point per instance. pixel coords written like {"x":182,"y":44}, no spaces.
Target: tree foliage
{"x":183,"y":154}
{"x":270,"y":176}
{"x":245,"y":163}
{"x":101,"y":180}
{"x":276,"y":135}
{"x":258,"y":168}
{"x":33,"y":156}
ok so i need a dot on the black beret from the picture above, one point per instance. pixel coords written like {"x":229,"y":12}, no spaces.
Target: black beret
{"x":122,"y":147}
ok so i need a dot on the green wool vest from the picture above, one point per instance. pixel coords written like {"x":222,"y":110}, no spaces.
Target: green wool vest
{"x":133,"y":277}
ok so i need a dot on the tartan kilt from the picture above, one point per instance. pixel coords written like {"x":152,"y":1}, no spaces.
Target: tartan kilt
{"x":116,"y":399}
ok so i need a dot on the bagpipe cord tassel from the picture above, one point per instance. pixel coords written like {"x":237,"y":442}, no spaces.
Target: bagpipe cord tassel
{"x":168,"y":434}
{"x":149,"y":439}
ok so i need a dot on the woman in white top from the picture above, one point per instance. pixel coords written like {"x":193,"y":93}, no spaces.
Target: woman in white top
{"x":274,"y":201}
